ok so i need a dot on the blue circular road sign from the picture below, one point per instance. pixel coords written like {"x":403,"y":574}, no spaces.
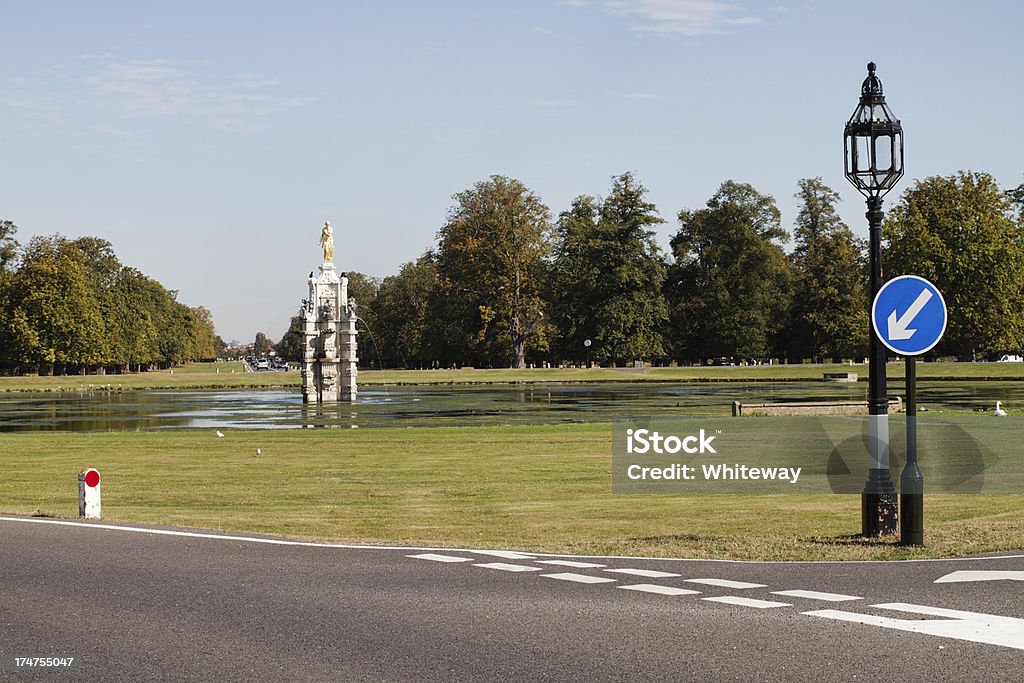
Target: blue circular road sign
{"x":909,"y":315}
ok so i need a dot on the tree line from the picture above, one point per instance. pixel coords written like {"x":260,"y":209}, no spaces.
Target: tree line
{"x":509,"y":285}
{"x":68,"y":306}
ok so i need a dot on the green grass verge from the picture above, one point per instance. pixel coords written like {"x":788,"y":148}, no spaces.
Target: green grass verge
{"x":542,"y":488}
{"x":232,"y":376}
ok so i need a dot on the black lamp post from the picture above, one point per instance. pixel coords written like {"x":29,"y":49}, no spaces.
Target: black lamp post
{"x":873,"y":142}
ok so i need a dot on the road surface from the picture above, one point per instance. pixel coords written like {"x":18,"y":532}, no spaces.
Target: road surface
{"x":134,"y":603}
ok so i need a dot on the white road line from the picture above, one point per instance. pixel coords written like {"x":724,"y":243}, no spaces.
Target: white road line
{"x":725,"y":583}
{"x":570,"y":563}
{"x":649,"y":573}
{"x":502,"y":566}
{"x":578,"y":578}
{"x":365,"y":546}
{"x":747,"y":602}
{"x":440,"y":558}
{"x":506,"y":554}
{"x":971,"y":626}
{"x":660,"y":590}
{"x":815,"y":595}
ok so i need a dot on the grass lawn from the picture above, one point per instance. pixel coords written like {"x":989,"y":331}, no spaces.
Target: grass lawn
{"x":232,"y":375}
{"x":540,"y":488}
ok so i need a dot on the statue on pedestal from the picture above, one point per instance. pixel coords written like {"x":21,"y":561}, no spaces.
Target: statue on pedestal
{"x":327,"y":242}
{"x":329,"y":327}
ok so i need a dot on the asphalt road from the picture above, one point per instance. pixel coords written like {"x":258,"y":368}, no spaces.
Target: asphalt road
{"x":134,"y":605}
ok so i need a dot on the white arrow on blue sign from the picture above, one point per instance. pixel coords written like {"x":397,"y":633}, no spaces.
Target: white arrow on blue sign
{"x":909,"y":315}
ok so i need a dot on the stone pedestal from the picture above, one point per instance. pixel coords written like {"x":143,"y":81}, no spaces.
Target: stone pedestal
{"x":329,"y":361}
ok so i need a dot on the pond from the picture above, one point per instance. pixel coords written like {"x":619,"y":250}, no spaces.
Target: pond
{"x":446,"y":405}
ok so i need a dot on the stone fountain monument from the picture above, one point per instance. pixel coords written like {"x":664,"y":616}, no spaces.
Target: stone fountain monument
{"x":329,"y":361}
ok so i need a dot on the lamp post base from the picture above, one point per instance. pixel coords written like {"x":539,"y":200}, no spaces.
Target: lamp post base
{"x":912,"y":519}
{"x":878,"y":514}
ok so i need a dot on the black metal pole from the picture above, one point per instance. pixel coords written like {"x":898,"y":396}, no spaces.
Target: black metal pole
{"x":912,"y":479}
{"x":878,"y":500}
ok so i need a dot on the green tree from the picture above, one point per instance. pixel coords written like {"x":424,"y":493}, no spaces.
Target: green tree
{"x":401,"y":308}
{"x":958,"y":231}
{"x":1016,"y":197}
{"x":490,"y":261}
{"x":262,"y":346}
{"x":607,"y":276}
{"x":130,"y":325}
{"x":362,"y":295}
{"x":729,"y":287}
{"x":8,"y":246}
{"x":53,"y":293}
{"x":204,"y":335}
{"x":290,"y":346}
{"x":829,"y":317}
{"x":574,"y":283}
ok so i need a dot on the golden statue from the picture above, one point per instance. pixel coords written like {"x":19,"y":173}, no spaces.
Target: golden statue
{"x":327,"y":242}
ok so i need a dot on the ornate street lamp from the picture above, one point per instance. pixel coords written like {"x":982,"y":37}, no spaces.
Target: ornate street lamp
{"x":873,"y":143}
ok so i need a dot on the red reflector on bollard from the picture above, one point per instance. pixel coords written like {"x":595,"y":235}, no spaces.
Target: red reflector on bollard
{"x":92,"y":478}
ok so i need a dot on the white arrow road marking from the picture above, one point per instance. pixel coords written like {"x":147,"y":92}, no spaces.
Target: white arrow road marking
{"x":725,"y":583}
{"x":660,"y":590}
{"x":747,"y":602}
{"x":578,"y":578}
{"x":815,"y":595}
{"x":898,"y":328}
{"x":570,"y":563}
{"x":649,"y":573}
{"x":440,"y":558}
{"x":963,"y":576}
{"x":502,"y":566}
{"x":970,"y":626}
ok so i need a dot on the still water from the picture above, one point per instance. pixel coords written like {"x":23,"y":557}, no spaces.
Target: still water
{"x":447,"y":405}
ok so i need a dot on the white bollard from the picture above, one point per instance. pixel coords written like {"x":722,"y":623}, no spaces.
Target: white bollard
{"x":89,"y":494}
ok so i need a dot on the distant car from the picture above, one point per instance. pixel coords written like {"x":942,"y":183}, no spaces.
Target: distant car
{"x":263,"y":364}
{"x":1010,"y":358}
{"x":723,"y":361}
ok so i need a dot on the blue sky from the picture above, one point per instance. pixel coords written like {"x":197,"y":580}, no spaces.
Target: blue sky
{"x":208,"y":141}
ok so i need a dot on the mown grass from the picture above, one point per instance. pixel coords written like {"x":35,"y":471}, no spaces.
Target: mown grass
{"x":540,"y":488}
{"x":232,"y":375}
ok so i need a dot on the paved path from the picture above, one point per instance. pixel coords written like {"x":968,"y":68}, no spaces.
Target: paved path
{"x":150,"y":604}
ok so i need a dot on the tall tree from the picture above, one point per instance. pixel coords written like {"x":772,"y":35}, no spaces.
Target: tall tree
{"x":959,"y":232}
{"x":401,"y":309}
{"x":130,"y":325}
{"x":54,"y":293}
{"x":262,"y":346}
{"x":607,"y":276}
{"x":8,"y":246}
{"x":830,"y":302}
{"x":490,"y":263}
{"x":362,"y":293}
{"x":70,"y":304}
{"x":575,"y":278}
{"x":290,"y":347}
{"x":730,"y":286}
{"x":1016,"y":197}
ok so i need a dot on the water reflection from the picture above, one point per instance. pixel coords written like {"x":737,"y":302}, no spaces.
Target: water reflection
{"x":442,"y":405}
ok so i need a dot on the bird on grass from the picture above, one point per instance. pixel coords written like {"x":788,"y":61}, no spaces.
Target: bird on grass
{"x":259,"y":451}
{"x":999,"y":412}
{"x":219,"y":433}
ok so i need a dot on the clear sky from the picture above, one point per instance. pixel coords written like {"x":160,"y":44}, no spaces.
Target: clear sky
{"x":208,"y":141}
